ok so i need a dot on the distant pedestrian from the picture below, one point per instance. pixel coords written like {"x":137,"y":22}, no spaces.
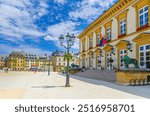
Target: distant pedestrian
{"x":7,"y":70}
{"x":35,"y":71}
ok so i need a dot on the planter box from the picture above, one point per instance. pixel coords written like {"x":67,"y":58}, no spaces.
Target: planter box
{"x":127,"y":76}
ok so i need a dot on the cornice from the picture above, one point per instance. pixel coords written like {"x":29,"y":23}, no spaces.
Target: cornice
{"x":116,"y":8}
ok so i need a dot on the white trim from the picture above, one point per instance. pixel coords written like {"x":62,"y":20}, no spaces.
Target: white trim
{"x":144,"y":12}
{"x":124,"y":24}
{"x":144,"y":51}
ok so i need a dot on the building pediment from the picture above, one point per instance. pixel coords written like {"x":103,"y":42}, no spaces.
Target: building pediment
{"x":108,"y":48}
{"x":121,"y":44}
{"x":143,"y":38}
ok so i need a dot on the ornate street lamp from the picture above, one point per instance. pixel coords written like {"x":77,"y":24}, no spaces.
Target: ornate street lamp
{"x":113,"y":51}
{"x":67,"y":42}
{"x":92,"y":55}
{"x":129,"y":46}
{"x":49,"y":58}
{"x":101,"y":53}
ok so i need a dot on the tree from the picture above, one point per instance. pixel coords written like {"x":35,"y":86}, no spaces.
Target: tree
{"x":68,"y":56}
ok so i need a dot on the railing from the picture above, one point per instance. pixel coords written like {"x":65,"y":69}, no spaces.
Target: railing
{"x":139,"y":82}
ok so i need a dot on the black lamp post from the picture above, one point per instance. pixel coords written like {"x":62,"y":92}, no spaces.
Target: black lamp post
{"x":48,"y":64}
{"x":67,"y":42}
{"x":113,"y":51}
{"x":129,"y":46}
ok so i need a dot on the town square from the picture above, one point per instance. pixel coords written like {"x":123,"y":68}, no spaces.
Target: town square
{"x":28,"y":85}
{"x":83,"y":49}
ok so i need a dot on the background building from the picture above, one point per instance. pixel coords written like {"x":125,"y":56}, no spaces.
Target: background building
{"x":17,"y":61}
{"x":3,"y":61}
{"x":31,"y":61}
{"x":126,"y":26}
{"x":59,"y":63}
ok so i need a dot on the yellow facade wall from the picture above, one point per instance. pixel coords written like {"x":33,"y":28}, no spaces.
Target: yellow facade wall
{"x":127,"y":76}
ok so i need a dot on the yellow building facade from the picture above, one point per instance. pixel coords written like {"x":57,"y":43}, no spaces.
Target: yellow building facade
{"x":126,"y":26}
{"x":17,"y":61}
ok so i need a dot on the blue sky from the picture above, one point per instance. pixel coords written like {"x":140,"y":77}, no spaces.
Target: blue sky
{"x":35,"y":25}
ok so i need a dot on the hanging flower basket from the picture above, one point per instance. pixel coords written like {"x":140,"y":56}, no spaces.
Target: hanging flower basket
{"x":143,"y":27}
{"x":90,"y":48}
{"x":122,"y":35}
{"x":97,"y":45}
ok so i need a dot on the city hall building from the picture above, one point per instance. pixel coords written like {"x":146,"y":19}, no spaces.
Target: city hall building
{"x":126,"y":26}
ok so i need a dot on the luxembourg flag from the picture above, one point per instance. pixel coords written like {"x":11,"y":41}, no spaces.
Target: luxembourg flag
{"x":103,"y":40}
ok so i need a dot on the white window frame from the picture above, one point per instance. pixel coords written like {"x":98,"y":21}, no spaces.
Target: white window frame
{"x":144,"y":12}
{"x":123,"y":26}
{"x":143,"y":67}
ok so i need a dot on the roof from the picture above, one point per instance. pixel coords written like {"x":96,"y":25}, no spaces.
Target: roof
{"x":100,"y":18}
{"x":17,"y":53}
{"x":58,"y":53}
{"x":3,"y":57}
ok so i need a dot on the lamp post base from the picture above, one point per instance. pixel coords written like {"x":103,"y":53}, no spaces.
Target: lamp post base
{"x":67,"y":85}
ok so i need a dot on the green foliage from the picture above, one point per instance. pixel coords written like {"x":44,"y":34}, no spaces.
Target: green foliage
{"x":68,"y":56}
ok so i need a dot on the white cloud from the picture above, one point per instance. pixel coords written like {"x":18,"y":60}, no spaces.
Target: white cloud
{"x":90,"y":9}
{"x":26,"y":48}
{"x":60,"y":1}
{"x":62,"y":28}
{"x":17,"y":17}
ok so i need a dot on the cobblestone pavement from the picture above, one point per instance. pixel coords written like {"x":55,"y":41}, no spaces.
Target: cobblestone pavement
{"x":30,"y":85}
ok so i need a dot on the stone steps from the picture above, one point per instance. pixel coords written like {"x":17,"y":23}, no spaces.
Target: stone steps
{"x":105,"y":75}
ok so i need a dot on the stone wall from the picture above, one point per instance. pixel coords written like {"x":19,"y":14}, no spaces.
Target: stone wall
{"x":126,"y":76}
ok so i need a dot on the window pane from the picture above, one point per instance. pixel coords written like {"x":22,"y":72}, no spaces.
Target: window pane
{"x":141,"y":63}
{"x":141,"y":17}
{"x":147,"y":53}
{"x":141,"y":23}
{"x":147,"y":47}
{"x":146,"y":8}
{"x":146,"y":21}
{"x":147,"y":64}
{"x":125,"y":51}
{"x":141,"y":48}
{"x":148,"y":58}
{"x":146,"y":14}
{"x":142,"y":59}
{"x":142,"y":54}
{"x":141,"y":11}
{"x":121,"y":52}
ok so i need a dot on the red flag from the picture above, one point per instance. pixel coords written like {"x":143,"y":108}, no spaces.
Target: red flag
{"x":104,"y":40}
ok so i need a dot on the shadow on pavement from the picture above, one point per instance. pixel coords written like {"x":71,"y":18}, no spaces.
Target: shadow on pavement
{"x":142,"y":91}
{"x":46,"y":87}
